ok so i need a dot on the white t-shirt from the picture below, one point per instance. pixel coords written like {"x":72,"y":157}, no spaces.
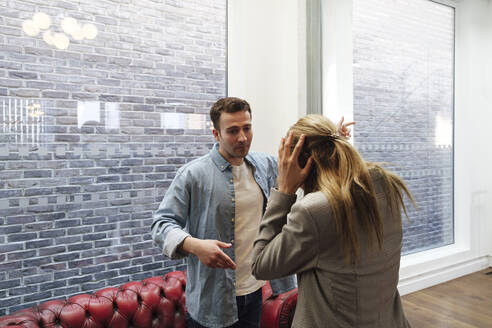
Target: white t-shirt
{"x":249,"y":210}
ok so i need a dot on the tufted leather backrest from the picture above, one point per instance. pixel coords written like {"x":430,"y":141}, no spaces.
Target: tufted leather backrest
{"x":156,"y":302}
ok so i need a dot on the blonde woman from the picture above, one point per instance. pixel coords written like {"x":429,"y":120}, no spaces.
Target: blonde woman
{"x":343,"y":238}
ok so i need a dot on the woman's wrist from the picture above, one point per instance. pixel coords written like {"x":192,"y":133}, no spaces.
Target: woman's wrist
{"x":287,"y":190}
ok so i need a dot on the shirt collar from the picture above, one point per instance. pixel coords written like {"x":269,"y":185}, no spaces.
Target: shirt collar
{"x":222,"y":164}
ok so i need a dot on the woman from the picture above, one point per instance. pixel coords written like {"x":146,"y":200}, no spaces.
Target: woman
{"x":343,"y":238}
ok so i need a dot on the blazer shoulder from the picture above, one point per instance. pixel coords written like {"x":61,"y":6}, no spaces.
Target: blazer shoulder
{"x":316,"y":204}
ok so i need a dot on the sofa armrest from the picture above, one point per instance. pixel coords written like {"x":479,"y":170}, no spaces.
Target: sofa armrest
{"x":278,"y":311}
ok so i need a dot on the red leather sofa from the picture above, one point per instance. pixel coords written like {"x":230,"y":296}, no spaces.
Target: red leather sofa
{"x":156,"y":302}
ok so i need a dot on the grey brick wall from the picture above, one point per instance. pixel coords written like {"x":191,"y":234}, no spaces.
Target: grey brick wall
{"x":403,"y":106}
{"x":79,"y":182}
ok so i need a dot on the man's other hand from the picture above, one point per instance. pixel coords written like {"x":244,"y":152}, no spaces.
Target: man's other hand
{"x":209,"y":252}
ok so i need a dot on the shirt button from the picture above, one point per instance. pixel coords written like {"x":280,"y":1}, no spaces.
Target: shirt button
{"x":232,"y":219}
{"x":231,"y":181}
{"x":232,"y":241}
{"x":232,"y":198}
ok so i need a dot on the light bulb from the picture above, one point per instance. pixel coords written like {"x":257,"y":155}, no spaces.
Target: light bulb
{"x":77,"y":33}
{"x":61,"y":41}
{"x":69,"y":25}
{"x":30,"y":28}
{"x":42,"y":20}
{"x":90,"y":31}
{"x":48,"y":37}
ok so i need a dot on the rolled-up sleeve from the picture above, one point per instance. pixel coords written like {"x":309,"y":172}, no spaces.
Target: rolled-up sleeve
{"x":283,"y":248}
{"x":168,"y":227}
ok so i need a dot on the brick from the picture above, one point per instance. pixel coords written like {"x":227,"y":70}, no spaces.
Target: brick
{"x":53,"y":285}
{"x":38,"y":191}
{"x":81,"y":164}
{"x":118,"y":170}
{"x":81,"y":263}
{"x":106,"y":275}
{"x":38,"y":296}
{"x":94,"y":236}
{"x":10,"y":193}
{"x":52,"y":250}
{"x":79,"y":247}
{"x":21,"y":255}
{"x":108,"y":178}
{"x":9,"y":283}
{"x":23,"y":75}
{"x":109,"y":98}
{"x":119,"y":281}
{"x":67,"y":138}
{"x":67,"y":291}
{"x":5,"y":230}
{"x":37,"y":174}
{"x":120,"y":186}
{"x":67,"y":189}
{"x":92,"y":286}
{"x":21,"y":237}
{"x":39,"y":243}
{"x":9,"y":302}
{"x":23,"y":290}
{"x":36,"y":279}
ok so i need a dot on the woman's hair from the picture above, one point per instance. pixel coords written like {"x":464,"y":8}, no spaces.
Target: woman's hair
{"x":343,"y":176}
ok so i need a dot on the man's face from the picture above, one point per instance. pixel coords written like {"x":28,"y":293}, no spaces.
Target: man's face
{"x":234,"y":136}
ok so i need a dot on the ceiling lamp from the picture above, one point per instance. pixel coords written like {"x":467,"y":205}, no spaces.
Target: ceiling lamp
{"x":69,"y":25}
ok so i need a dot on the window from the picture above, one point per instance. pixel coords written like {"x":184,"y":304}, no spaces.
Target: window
{"x":403,"y":91}
{"x":100,"y":103}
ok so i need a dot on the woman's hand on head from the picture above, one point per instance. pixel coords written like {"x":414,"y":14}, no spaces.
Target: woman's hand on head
{"x":290,"y":175}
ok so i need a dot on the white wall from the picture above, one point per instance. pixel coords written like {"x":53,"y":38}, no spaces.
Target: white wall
{"x":473,"y":118}
{"x":266,"y":64}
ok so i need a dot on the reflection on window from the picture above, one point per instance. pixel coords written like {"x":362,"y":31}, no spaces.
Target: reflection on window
{"x":403,"y":105}
{"x":22,"y":121}
{"x":443,"y":131}
{"x":82,"y":173}
{"x":112,"y":116}
{"x":71,"y":27}
{"x":183,"y":121}
{"x":88,"y":111}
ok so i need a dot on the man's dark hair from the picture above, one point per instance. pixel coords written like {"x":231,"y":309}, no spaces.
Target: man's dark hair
{"x":228,"y":105}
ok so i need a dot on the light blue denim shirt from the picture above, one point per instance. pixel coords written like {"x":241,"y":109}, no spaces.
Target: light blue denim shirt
{"x":200,"y":202}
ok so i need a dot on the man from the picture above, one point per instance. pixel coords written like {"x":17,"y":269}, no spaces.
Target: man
{"x":211,"y":213}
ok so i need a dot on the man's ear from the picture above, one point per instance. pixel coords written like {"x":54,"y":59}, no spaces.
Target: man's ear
{"x":216,"y":134}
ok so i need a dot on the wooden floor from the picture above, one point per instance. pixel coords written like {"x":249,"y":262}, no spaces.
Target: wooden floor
{"x":465,"y":302}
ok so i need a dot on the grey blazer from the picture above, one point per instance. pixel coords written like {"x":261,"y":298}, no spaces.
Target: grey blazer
{"x":301,"y":238}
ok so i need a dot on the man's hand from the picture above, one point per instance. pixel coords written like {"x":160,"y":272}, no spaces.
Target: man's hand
{"x":343,"y":129}
{"x":209,"y":252}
